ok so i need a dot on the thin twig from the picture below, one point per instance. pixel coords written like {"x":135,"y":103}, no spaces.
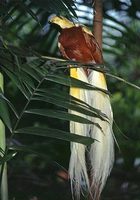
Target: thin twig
{"x":123,"y":80}
{"x":52,"y":58}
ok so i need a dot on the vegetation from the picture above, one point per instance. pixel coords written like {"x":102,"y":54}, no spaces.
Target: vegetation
{"x":35,"y":102}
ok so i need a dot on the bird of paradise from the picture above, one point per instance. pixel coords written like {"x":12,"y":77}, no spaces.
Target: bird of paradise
{"x":88,"y":167}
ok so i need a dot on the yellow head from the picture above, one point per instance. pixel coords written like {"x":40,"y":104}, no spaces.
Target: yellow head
{"x":65,"y":23}
{"x":62,"y":22}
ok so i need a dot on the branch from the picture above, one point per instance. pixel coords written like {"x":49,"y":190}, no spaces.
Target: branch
{"x":97,"y":21}
{"x":97,"y":31}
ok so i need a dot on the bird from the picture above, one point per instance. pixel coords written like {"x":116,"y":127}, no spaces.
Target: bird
{"x":89,"y":167}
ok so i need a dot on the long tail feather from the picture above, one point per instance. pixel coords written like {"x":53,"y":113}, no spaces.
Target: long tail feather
{"x":77,"y":167}
{"x":102,"y":152}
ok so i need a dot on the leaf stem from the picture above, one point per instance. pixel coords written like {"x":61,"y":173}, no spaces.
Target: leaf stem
{"x":123,"y":80}
{"x":26,"y":105}
{"x":3,"y":168}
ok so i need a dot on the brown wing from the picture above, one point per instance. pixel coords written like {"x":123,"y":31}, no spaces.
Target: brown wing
{"x":74,"y":46}
{"x":93,"y":46}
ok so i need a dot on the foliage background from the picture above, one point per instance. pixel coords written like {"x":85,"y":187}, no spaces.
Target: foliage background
{"x":24,"y":25}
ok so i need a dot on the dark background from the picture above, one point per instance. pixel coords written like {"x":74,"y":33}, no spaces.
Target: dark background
{"x":33,"y":177}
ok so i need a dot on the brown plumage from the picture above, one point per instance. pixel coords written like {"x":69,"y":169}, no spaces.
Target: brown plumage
{"x":78,"y":45}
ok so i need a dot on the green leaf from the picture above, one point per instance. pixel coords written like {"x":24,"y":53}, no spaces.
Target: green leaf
{"x":28,"y":149}
{"x":28,"y":10}
{"x":20,"y":52}
{"x":124,"y":81}
{"x":66,"y":101}
{"x":30,"y":71}
{"x":1,"y":152}
{"x":58,"y":134}
{"x":119,"y":23}
{"x":4,"y":114}
{"x":67,"y":97}
{"x":9,"y":103}
{"x":59,"y":115}
{"x":69,"y":4}
{"x":37,"y":64}
{"x":17,"y":81}
{"x":56,"y":6}
{"x":7,"y":157}
{"x":72,"y":82}
{"x":27,"y":80}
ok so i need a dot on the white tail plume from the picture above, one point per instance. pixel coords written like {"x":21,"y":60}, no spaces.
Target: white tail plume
{"x":102,"y":152}
{"x":77,"y":167}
